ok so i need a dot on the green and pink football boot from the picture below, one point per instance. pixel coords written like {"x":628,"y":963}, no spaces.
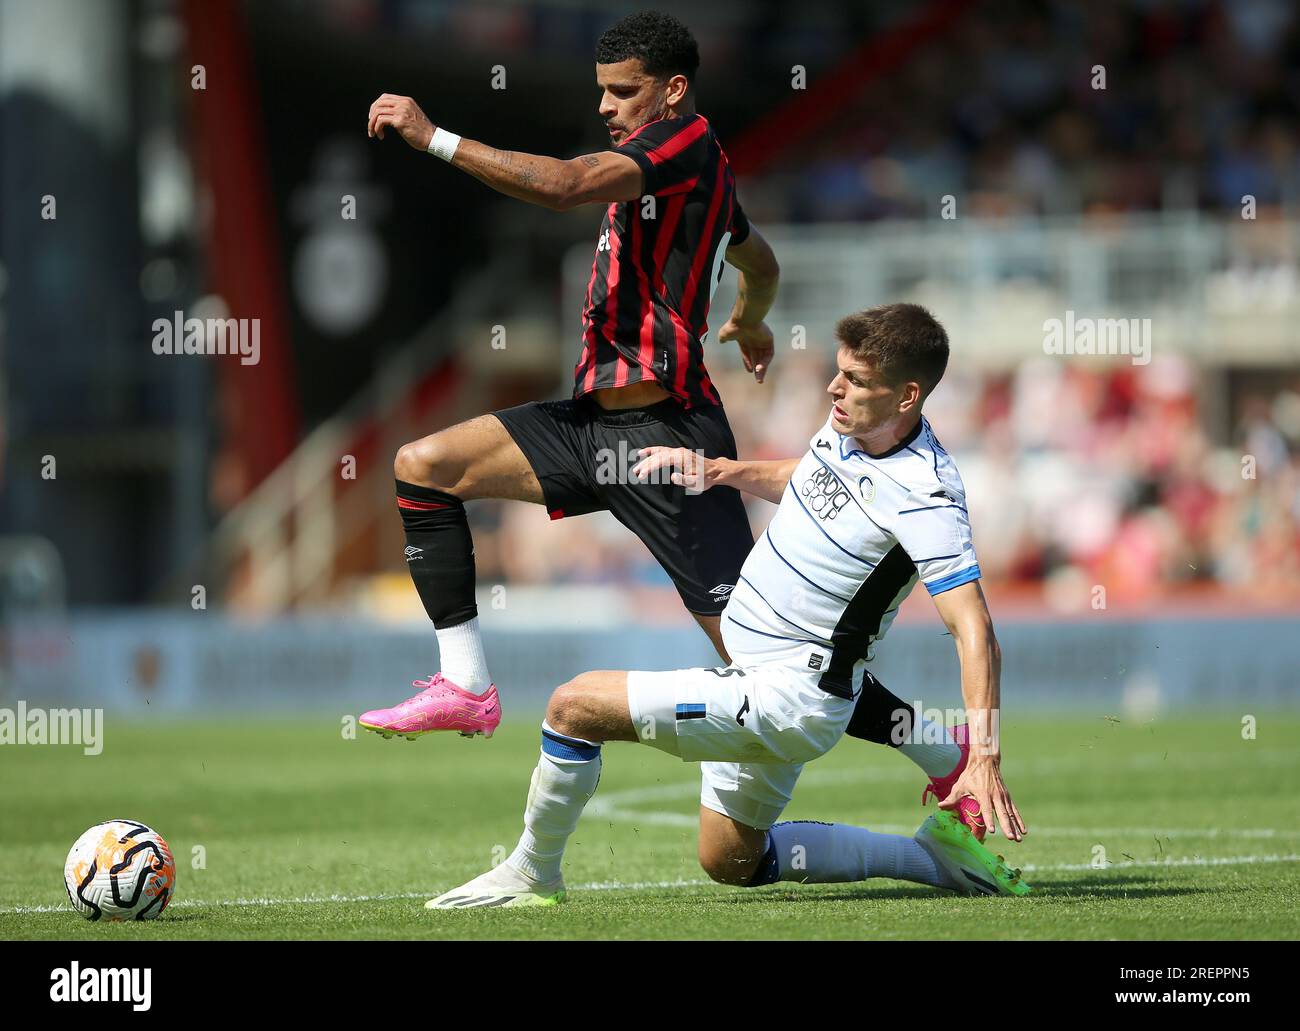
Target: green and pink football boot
{"x":968,"y":810}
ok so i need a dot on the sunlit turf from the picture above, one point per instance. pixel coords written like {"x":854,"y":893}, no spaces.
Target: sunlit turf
{"x":296,"y":831}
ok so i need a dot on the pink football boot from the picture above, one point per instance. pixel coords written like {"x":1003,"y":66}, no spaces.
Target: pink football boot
{"x":441,"y":705}
{"x":968,"y":810}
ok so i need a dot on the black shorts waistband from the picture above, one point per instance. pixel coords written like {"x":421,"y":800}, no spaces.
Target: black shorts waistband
{"x":667,"y":410}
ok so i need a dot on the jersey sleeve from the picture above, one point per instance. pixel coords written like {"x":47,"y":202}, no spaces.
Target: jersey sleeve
{"x":936,"y":535}
{"x":670,"y":152}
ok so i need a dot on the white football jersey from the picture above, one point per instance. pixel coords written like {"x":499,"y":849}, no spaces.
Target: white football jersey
{"x":851,"y":536}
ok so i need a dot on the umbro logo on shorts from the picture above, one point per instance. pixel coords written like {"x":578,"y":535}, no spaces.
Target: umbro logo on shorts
{"x":411,"y":552}
{"x":722,"y":590}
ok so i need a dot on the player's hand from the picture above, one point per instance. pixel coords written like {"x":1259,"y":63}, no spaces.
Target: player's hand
{"x":982,"y":779}
{"x":756,"y":347}
{"x":402,"y":114}
{"x":690,"y":469}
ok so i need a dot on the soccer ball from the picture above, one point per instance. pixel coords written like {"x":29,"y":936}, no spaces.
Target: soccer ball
{"x":120,"y":870}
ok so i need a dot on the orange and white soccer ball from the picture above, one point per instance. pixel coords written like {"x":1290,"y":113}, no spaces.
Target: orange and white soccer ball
{"x":120,"y":870}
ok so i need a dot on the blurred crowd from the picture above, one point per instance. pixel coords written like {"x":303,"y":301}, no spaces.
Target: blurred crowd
{"x":1037,"y":106}
{"x":1067,"y":107}
{"x":1079,"y":476}
{"x":1083,"y":478}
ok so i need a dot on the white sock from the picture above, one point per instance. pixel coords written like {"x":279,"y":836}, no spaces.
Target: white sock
{"x":460,"y":656}
{"x":932,"y":747}
{"x":824,"y":853}
{"x":565,"y":779}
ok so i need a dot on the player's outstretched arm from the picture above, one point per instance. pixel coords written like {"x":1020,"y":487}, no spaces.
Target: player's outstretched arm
{"x":966,"y":614}
{"x":756,"y":289}
{"x":548,"y":182}
{"x":692,"y":470}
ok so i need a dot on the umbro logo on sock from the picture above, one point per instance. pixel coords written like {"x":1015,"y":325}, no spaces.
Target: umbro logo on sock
{"x":411,"y":552}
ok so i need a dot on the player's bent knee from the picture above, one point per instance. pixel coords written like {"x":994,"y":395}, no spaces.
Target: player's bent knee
{"x":740,"y":869}
{"x":733,"y":852}
{"x":409,"y":463}
{"x":429,"y":463}
{"x":727,"y":869}
{"x":568,"y":711}
{"x":559,"y":710}
{"x":719,"y":869}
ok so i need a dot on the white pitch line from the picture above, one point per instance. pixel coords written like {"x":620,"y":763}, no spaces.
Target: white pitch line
{"x":1094,"y":833}
{"x":1168,"y":861}
{"x":620,"y":807}
{"x":905,"y":772}
{"x":623,"y":806}
{"x":308,"y":900}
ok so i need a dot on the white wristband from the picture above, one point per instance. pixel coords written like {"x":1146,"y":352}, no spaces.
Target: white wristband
{"x":444,"y":144}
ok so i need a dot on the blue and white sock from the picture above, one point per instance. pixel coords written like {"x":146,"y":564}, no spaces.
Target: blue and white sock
{"x":565,"y":779}
{"x":826,"y":853}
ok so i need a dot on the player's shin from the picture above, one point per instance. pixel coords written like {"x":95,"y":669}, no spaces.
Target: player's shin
{"x":563,"y":782}
{"x":440,"y":557}
{"x":824,"y":853}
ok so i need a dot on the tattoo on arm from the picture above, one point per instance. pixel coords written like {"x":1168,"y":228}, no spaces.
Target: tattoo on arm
{"x":522,"y":174}
{"x":531,"y":177}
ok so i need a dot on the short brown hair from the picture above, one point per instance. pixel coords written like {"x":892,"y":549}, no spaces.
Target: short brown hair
{"x":904,"y":342}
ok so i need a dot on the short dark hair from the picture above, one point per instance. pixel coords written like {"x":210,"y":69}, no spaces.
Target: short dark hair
{"x":664,"y":45}
{"x":904,"y":342}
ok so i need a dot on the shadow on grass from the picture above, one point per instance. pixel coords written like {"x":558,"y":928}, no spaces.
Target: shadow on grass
{"x":1137,"y":887}
{"x":181,"y":916}
{"x":1133,"y":886}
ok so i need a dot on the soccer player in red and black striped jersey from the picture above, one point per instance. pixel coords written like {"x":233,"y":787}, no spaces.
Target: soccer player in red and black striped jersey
{"x":672,"y":217}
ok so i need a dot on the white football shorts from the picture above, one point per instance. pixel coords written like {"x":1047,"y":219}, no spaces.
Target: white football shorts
{"x":751,"y":726}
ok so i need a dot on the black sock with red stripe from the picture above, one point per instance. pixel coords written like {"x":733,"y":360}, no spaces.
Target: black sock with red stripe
{"x":439,"y":552}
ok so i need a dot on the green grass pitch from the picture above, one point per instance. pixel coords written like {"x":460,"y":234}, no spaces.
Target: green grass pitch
{"x":303,"y":833}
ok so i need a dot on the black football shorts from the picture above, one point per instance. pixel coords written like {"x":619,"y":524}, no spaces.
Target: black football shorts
{"x":582,"y":455}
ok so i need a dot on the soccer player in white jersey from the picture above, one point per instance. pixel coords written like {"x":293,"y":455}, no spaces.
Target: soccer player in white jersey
{"x":872,"y":506}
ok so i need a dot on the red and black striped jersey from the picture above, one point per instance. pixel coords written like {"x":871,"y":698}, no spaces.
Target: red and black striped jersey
{"x":658,"y":261}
